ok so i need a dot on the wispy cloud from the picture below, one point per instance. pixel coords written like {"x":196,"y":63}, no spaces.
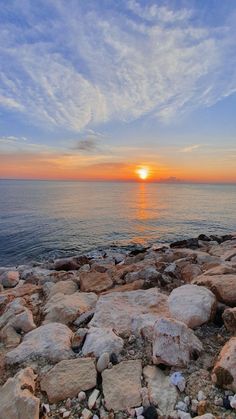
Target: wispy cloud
{"x":72,"y":65}
{"x":190,"y":148}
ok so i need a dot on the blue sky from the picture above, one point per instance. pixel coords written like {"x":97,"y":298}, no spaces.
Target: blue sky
{"x":102,"y":81}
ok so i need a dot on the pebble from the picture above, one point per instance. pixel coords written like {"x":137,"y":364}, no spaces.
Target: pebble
{"x":144,"y":396}
{"x":114,"y":358}
{"x":103,"y":362}
{"x":139,"y":411}
{"x":62,"y":410}
{"x":150,"y":412}
{"x":92,"y":398}
{"x":81,"y":396}
{"x":183,"y":415}
{"x":226,"y":403}
{"x":66,"y":414}
{"x":187,"y":400}
{"x":45,"y":408}
{"x":140,"y":417}
{"x":178,"y":380}
{"x":233,"y":402}
{"x":194,"y":405}
{"x":86,"y":414}
{"x":201,"y":396}
{"x":202,"y":407}
{"x":132,"y":339}
{"x":95,"y":417}
{"x":182,"y":406}
{"x":68,"y":403}
{"x":218,"y":401}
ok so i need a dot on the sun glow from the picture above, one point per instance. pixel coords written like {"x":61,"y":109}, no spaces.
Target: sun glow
{"x":143,"y":173}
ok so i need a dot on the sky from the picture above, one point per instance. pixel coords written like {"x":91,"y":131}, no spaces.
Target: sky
{"x":97,"y":89}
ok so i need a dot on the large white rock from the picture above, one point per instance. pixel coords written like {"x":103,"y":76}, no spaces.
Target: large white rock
{"x":17,"y":399}
{"x":51,"y":341}
{"x":224,"y":372}
{"x":174,"y":343}
{"x":118,"y":309}
{"x":192,"y":304}
{"x":122,"y":385}
{"x":66,"y":308}
{"x":223,"y":286}
{"x":99,"y":340}
{"x":68,"y":378}
{"x":161,"y":392}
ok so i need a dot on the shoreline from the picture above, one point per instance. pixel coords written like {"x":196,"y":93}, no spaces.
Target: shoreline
{"x":146,"y":333}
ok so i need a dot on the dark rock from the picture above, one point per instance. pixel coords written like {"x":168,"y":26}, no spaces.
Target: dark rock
{"x":204,"y":238}
{"x":114,"y":359}
{"x":70,"y":264}
{"x":188,"y":243}
{"x":138,"y":250}
{"x":226,"y":403}
{"x":218,"y":320}
{"x":150,"y":412}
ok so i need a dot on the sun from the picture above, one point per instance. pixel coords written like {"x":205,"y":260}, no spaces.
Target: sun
{"x":143,"y":173}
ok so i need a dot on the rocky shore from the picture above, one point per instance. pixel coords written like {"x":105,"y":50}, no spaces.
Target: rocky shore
{"x":148,"y":333}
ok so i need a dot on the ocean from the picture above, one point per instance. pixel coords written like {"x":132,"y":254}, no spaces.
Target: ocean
{"x":48,"y":219}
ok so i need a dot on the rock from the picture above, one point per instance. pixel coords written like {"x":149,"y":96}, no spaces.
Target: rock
{"x":86,"y":414}
{"x":100,"y":340}
{"x":51,"y":341}
{"x":103,"y":362}
{"x":66,"y":308}
{"x":178,"y":380}
{"x":133,"y":286}
{"x":196,"y":381}
{"x":68,"y":378}
{"x":181,"y":406}
{"x":150,"y":412}
{"x":95,"y":282}
{"x":223,"y":286}
{"x":17,"y":398}
{"x":118,"y":309}
{"x":229,"y":318}
{"x":148,"y":274}
{"x":206,"y":416}
{"x":174,"y":343}
{"x":84,"y":318}
{"x":201,"y":396}
{"x":161,"y":392}
{"x":233,"y":402}
{"x":70,"y":264}
{"x":192,"y":304}
{"x":190,"y":271}
{"x":9,"y":279}
{"x":122,"y":385}
{"x":21,"y":291}
{"x":64,"y":287}
{"x":224,"y":372}
{"x":92,"y":398}
{"x":81,"y":396}
{"x":78,"y":338}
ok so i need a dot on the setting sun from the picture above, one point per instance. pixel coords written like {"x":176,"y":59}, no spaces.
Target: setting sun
{"x":143,"y":173}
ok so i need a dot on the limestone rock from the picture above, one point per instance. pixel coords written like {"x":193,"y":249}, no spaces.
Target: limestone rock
{"x":95,"y":281}
{"x":66,"y":308}
{"x":122,"y":385}
{"x":118,"y":309}
{"x":174,"y":343}
{"x":9,"y":279}
{"x":229,"y":317}
{"x":68,"y":378}
{"x":100,"y":340}
{"x":192,"y":304}
{"x":17,"y":399}
{"x":224,"y":372}
{"x":161,"y":392}
{"x":223,"y":286}
{"x":51,"y":341}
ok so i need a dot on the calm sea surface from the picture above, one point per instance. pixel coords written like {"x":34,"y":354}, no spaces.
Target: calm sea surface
{"x":42,"y":219}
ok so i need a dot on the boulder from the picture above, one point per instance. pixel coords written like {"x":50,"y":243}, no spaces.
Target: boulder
{"x":70,"y":264}
{"x":192,"y":304}
{"x":21,"y":291}
{"x":223,"y":286}
{"x":99,"y":340}
{"x":190,"y":271}
{"x":66,"y":308}
{"x":51,"y":342}
{"x":229,"y":318}
{"x":174,"y":343}
{"x":17,"y":398}
{"x":122,"y":385}
{"x":118,"y":309}
{"x":224,"y":371}
{"x":9,"y":279}
{"x":133,"y":286}
{"x":95,"y":281}
{"x":148,"y":274}
{"x":63,"y":287}
{"x":161,"y":392}
{"x":68,"y":378}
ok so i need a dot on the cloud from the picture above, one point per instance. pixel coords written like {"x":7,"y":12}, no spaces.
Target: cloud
{"x":190,"y":148}
{"x":76,"y":65}
{"x":89,"y":144}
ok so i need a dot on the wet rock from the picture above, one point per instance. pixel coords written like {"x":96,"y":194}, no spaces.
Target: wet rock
{"x":51,"y":341}
{"x":9,"y":279}
{"x":119,"y":309}
{"x":68,"y":378}
{"x":17,"y":398}
{"x":122,"y":385}
{"x":100,"y":340}
{"x":229,"y":318}
{"x":174,"y":343}
{"x":224,"y":372}
{"x":192,"y":304}
{"x":223,"y":286}
{"x":161,"y":392}
{"x":103,"y":362}
{"x":188,"y":243}
{"x":66,"y":308}
{"x":70,"y":264}
{"x":95,"y":282}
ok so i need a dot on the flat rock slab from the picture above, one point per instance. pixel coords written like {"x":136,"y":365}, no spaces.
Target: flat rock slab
{"x":66,"y":308}
{"x":223,"y":286}
{"x":224,"y":372}
{"x":122,"y":385}
{"x":51,"y":341}
{"x":17,"y":398}
{"x":68,"y":378}
{"x":95,"y":281}
{"x":118,"y":309}
{"x":192,"y":304}
{"x":99,"y":340}
{"x":174,"y":343}
{"x":161,"y":391}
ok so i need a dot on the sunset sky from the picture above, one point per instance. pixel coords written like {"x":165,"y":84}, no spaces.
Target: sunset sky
{"x":97,"y":89}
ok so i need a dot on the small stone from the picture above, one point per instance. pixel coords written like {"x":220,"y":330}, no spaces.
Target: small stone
{"x":114,"y":359}
{"x":181,"y":406}
{"x":66,"y":414}
{"x":194,"y":405}
{"x":132,"y":339}
{"x":140,"y":417}
{"x":202,"y":407}
{"x":45,"y":408}
{"x":62,"y":410}
{"x":226,"y":403}
{"x":145,"y":397}
{"x":95,"y":417}
{"x":201,"y":396}
{"x":92,"y":398}
{"x":9,"y":279}
{"x":78,"y":338}
{"x":68,"y":403}
{"x":86,"y":414}
{"x":218,"y":401}
{"x":150,"y":412}
{"x":139,"y":410}
{"x":81,"y":396}
{"x":103,"y":362}
{"x":187,"y":400}
{"x":233,"y":402}
{"x":178,"y":380}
